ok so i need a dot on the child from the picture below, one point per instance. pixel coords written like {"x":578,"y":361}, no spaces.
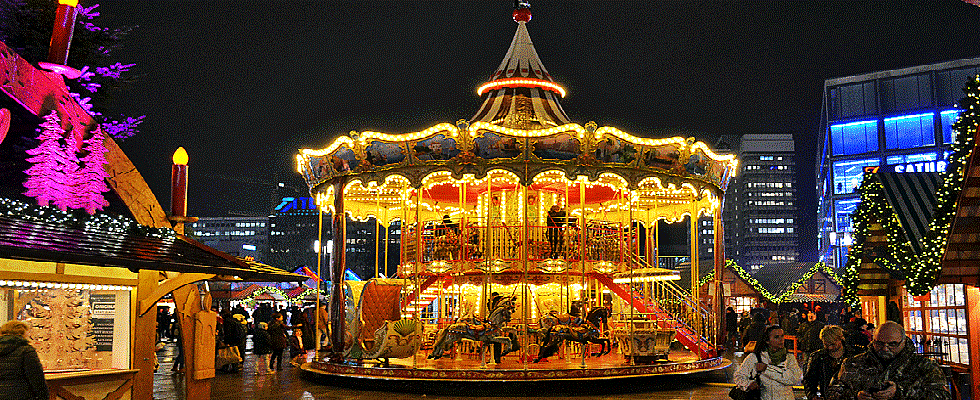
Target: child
{"x":262,"y":348}
{"x":296,"y":350}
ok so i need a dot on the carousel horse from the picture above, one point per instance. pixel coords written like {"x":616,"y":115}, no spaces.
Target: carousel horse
{"x":493,"y":330}
{"x":556,"y":329}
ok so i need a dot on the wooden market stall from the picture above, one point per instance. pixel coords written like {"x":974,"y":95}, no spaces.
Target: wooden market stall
{"x":87,"y":271}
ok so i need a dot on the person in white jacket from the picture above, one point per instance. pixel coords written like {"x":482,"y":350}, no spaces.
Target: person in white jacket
{"x":777,"y":368}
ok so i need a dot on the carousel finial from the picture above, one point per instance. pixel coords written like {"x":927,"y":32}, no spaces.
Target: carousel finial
{"x":522,"y":11}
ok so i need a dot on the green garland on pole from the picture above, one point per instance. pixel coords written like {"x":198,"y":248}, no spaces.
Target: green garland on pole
{"x":920,"y":270}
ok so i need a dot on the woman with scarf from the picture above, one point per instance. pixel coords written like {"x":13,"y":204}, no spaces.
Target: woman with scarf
{"x":776,"y":368}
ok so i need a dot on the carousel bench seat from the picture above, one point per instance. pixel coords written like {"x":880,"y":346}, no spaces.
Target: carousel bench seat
{"x":644,"y":344}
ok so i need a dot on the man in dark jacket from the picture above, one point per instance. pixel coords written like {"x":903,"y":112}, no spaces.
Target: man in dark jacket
{"x":755,"y":331}
{"x":890,"y":370}
{"x":21,"y":374}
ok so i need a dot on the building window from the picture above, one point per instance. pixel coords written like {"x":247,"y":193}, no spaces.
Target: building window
{"x":939,"y":324}
{"x":842,"y":211}
{"x":854,"y":137}
{"x":910,"y":158}
{"x":906,"y":93}
{"x":848,"y":174}
{"x":853,"y":101}
{"x":741,"y":303}
{"x":909,"y":131}
{"x":947,"y":118}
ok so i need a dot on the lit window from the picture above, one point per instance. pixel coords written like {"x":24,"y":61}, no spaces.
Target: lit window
{"x":854,"y":137}
{"x":848,"y":174}
{"x":947,"y":118}
{"x":909,"y":131}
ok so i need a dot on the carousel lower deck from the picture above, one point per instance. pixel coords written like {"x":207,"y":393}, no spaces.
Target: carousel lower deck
{"x":466,"y":373}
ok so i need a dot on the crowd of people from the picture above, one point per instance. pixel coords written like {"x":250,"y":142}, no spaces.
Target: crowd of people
{"x":844,"y":359}
{"x":273,"y":331}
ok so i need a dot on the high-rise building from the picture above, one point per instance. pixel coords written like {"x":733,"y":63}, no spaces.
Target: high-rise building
{"x":761,"y":215}
{"x":237,"y":236}
{"x":899,"y":118}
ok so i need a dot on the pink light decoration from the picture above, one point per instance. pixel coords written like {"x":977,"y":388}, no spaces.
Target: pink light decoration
{"x":58,"y":176}
{"x":63,"y":70}
{"x":4,"y":123}
{"x":90,"y":182}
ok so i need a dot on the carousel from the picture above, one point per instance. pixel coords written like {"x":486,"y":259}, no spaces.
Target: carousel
{"x":528,"y":245}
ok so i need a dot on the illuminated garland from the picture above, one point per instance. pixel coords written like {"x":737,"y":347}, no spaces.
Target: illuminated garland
{"x":274,"y":290}
{"x":79,"y":219}
{"x":920,"y":270}
{"x":755,"y":284}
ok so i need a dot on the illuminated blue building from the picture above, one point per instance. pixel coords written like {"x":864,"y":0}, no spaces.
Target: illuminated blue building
{"x":899,"y":117}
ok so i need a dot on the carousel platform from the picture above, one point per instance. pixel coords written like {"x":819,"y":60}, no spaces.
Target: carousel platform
{"x":606,"y":374}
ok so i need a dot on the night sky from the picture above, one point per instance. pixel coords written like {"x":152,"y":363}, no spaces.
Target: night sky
{"x":243,"y":84}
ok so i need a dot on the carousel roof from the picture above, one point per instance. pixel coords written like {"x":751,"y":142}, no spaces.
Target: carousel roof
{"x":519,"y":136}
{"x":520,"y":93}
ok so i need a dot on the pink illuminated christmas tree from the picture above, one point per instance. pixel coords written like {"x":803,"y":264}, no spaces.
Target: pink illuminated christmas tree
{"x":50,"y":178}
{"x":89,"y":182}
{"x":58,"y":176}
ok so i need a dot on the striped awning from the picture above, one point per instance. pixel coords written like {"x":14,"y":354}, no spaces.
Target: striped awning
{"x":912,"y":195}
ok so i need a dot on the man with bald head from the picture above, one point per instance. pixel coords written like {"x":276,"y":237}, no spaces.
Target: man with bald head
{"x":889,"y":369}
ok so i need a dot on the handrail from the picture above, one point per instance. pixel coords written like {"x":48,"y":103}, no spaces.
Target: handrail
{"x":685,"y":310}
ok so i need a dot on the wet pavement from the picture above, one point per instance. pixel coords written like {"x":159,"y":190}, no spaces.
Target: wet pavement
{"x":287,"y":385}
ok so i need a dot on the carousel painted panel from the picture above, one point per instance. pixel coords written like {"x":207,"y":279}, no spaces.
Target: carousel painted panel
{"x":613,"y":150}
{"x":563,"y":147}
{"x":491,"y":146}
{"x":380,"y":153}
{"x":436,"y":148}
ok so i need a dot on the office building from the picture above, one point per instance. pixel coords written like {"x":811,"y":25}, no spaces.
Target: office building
{"x":761,"y":214}
{"x":237,"y":236}
{"x":899,"y":117}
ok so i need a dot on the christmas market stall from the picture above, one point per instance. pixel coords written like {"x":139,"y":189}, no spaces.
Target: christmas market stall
{"x":914,"y":254}
{"x":86,"y":251}
{"x":529,"y":222}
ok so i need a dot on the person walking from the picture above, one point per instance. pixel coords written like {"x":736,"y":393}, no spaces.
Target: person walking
{"x":824,"y":364}
{"x":731,"y":326}
{"x":21,"y":373}
{"x":262,"y":347}
{"x":775,"y":367}
{"x":277,"y":340}
{"x":890,"y":369}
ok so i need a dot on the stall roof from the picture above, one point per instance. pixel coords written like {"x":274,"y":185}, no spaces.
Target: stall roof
{"x":37,"y":241}
{"x":913,"y":197}
{"x":961,"y":261}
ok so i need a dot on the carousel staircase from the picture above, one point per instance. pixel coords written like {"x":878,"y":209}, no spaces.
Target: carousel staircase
{"x":692,"y":323}
{"x":429,"y":293}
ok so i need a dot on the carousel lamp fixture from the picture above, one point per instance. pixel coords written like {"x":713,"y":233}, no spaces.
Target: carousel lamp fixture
{"x":521,"y":82}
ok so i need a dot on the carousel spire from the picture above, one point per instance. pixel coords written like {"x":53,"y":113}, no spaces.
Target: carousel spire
{"x":521,"y":94}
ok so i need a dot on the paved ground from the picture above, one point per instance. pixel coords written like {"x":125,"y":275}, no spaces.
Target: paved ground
{"x":287,"y":385}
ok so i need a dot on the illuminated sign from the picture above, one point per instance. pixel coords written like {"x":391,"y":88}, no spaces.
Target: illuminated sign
{"x":249,"y":247}
{"x":922,"y":166}
{"x":296,"y":204}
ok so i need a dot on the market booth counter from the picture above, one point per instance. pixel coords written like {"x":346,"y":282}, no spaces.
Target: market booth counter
{"x":76,"y":287}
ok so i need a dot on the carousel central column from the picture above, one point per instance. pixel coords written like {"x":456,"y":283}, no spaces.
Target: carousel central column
{"x":719,"y":254}
{"x":338,"y":263}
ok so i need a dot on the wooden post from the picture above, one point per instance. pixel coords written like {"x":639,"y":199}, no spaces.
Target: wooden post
{"x":197,"y":381}
{"x":144,"y":334}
